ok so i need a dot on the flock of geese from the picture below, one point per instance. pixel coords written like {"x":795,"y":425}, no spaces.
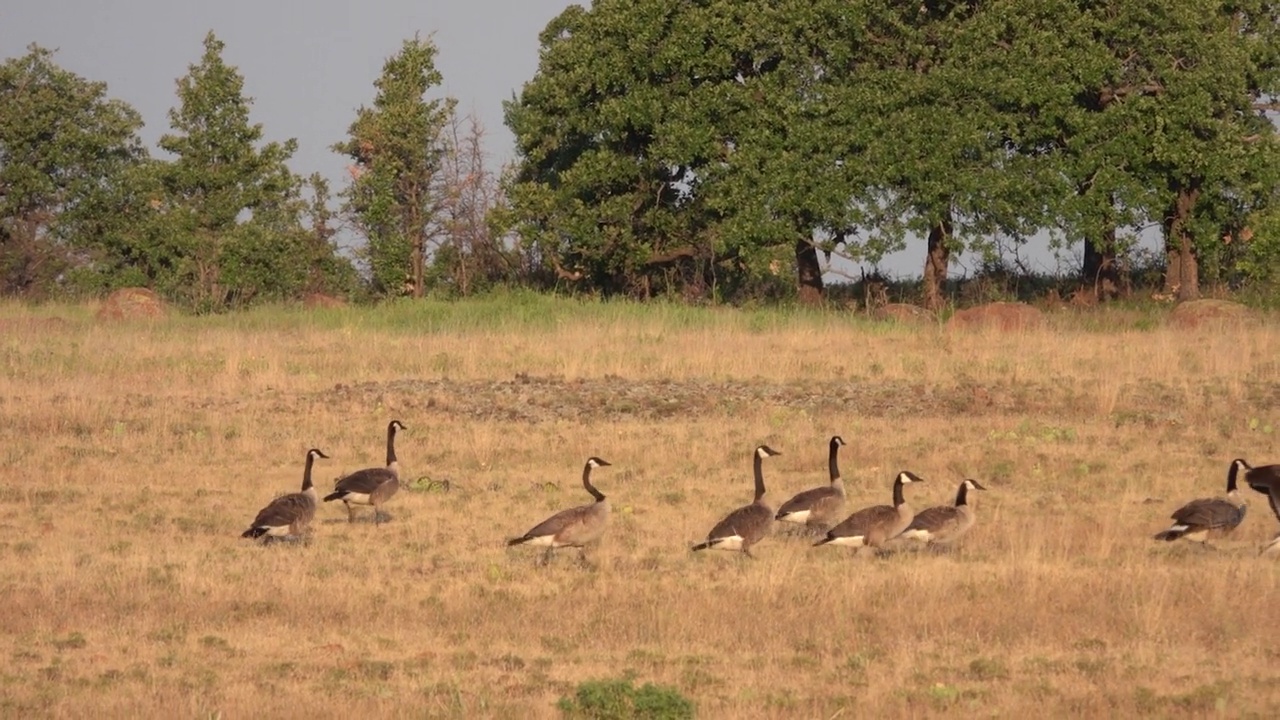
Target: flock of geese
{"x":817,"y":511}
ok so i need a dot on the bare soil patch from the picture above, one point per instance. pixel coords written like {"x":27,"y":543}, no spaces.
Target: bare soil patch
{"x":529,"y":399}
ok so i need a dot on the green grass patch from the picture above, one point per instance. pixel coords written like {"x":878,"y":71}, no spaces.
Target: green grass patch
{"x":620,"y":699}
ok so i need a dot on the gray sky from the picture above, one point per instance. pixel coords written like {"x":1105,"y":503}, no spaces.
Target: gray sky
{"x":307,"y":65}
{"x":310,"y":65}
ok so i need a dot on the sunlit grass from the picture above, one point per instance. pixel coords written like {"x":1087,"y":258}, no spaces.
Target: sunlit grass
{"x":135,"y":453}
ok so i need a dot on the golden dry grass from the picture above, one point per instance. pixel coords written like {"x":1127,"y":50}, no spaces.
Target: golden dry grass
{"x":135,"y":454}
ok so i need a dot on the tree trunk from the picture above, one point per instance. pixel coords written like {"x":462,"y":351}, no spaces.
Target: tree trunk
{"x":808,"y":272}
{"x":1182,"y":271}
{"x":936,"y":262}
{"x":1100,"y":268}
{"x":416,"y":261}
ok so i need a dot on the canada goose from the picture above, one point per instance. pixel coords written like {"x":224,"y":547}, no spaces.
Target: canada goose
{"x":944,"y":523}
{"x":1206,"y":518}
{"x":871,"y":527}
{"x":371,"y":486}
{"x":576,"y":527}
{"x":1266,"y":480}
{"x":821,"y":507}
{"x":749,"y":524}
{"x":288,"y":515}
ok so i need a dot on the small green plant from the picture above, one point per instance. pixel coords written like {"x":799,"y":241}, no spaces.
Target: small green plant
{"x":619,"y":699}
{"x":426,"y":484}
{"x":74,"y":641}
{"x":674,"y":497}
{"x":1256,"y":425}
{"x":988,"y":669}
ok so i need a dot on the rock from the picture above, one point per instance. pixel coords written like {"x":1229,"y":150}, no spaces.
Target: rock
{"x":1194,"y":313}
{"x":132,"y":304}
{"x":1000,"y":315}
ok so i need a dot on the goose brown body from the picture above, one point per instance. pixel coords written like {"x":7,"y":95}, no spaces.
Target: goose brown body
{"x":371,"y":486}
{"x":749,"y":524}
{"x":875,"y":525}
{"x":945,"y":523}
{"x":819,"y":508}
{"x":575,"y":527}
{"x":288,"y":515}
{"x":1205,"y":519}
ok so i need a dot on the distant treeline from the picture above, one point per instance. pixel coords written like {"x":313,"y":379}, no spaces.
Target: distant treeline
{"x":716,"y":150}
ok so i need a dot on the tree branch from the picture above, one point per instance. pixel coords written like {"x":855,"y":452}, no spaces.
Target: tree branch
{"x":681,"y":253}
{"x":563,"y":274}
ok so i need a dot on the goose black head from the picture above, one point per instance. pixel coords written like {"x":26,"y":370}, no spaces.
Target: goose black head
{"x":317,"y":453}
{"x":396,"y":425}
{"x":1234,"y":473}
{"x":837,"y":441}
{"x":906,"y":476}
{"x":765,"y":451}
{"x":596,"y":462}
{"x":973,"y":485}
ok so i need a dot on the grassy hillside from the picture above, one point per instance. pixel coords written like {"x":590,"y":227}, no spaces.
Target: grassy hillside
{"x":133,"y":455}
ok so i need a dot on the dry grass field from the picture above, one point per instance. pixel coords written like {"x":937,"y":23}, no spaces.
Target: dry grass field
{"x":134,"y":454}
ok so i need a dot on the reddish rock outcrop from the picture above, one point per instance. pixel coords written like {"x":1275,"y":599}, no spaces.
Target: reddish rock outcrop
{"x":1195,"y":313}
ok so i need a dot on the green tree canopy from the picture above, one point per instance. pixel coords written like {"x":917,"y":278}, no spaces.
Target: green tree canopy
{"x":229,"y":226}
{"x":704,"y":135}
{"x":741,"y":135}
{"x":67,"y":152}
{"x":396,"y":148}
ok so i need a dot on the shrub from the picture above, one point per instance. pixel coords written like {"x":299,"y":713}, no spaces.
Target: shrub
{"x":620,"y":700}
